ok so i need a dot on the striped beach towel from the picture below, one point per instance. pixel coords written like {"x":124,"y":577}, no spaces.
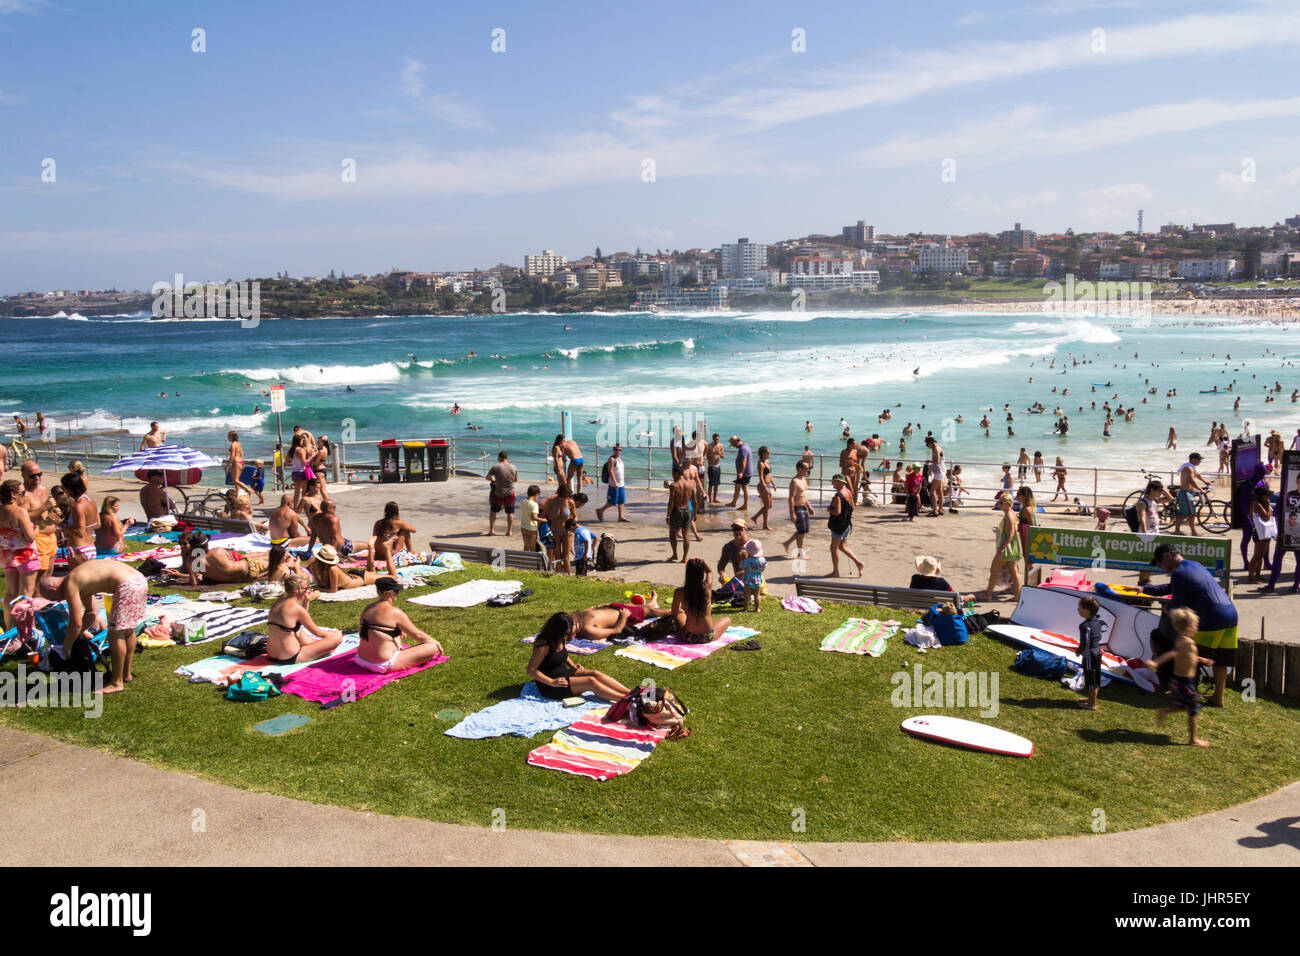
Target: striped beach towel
{"x":674,"y":652}
{"x":589,"y":748}
{"x":225,"y":622}
{"x":860,"y":635}
{"x":579,"y":645}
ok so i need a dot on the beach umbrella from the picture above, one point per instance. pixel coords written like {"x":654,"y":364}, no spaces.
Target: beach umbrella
{"x":164,"y":457}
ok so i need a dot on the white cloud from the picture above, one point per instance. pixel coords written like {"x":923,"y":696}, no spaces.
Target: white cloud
{"x":1023,"y":133}
{"x":444,"y":107}
{"x":985,"y":209}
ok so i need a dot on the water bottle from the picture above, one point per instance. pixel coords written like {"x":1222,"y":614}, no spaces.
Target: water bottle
{"x":970,"y":606}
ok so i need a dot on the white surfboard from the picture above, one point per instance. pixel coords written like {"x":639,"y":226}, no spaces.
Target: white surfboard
{"x":1063,"y":645}
{"x":968,"y":733}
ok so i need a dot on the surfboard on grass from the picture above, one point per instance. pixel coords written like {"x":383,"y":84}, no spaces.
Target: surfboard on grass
{"x":969,"y":734}
{"x":1062,"y":645}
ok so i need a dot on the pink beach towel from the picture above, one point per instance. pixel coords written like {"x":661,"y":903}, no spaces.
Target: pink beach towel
{"x":337,"y":680}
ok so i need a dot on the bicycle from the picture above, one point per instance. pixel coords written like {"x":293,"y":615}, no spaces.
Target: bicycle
{"x":20,"y":451}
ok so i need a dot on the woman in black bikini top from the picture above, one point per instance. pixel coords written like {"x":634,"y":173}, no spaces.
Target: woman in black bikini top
{"x":286,"y":621}
{"x":557,"y":678}
{"x":382,"y":626}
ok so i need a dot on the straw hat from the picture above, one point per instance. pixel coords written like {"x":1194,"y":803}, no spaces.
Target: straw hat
{"x":327,"y":555}
{"x":928,"y":566}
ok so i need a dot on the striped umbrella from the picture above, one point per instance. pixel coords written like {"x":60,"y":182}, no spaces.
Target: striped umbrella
{"x":164,"y":457}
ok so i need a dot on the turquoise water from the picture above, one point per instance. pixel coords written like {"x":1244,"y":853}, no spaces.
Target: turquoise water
{"x":760,"y":375}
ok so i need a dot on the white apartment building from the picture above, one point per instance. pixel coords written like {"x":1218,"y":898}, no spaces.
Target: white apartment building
{"x":742,"y":258}
{"x":1207,"y":268}
{"x":867,"y":280}
{"x":545,"y":264}
{"x":943,"y":259}
{"x":821,"y":265}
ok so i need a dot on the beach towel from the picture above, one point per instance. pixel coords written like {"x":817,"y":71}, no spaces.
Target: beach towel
{"x":525,"y":716}
{"x":212,"y":625}
{"x":597,"y":750}
{"x":221,"y":595}
{"x":674,"y":652}
{"x":579,"y":645}
{"x":366,"y":592}
{"x":859,"y":635}
{"x":340,"y":679}
{"x":468,"y":594}
{"x":801,"y":605}
{"x":222,"y":668}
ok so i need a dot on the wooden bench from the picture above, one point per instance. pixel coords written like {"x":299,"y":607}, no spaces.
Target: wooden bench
{"x":219,"y":525}
{"x":499,"y":558}
{"x":852,"y":592}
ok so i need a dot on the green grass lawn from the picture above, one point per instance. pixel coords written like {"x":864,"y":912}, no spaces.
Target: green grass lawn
{"x":779,"y":730}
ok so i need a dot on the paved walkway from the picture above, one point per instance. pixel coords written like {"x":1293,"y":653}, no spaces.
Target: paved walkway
{"x":148,"y":816}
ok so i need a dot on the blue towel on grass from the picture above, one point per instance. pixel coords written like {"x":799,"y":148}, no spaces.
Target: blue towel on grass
{"x":526,"y":716}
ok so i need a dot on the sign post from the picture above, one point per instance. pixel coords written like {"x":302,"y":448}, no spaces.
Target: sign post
{"x":278,"y":405}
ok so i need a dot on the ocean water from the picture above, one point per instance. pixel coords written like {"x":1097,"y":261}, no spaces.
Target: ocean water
{"x":759,"y":375}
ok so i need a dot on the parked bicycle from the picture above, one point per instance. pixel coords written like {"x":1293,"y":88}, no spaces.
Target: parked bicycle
{"x":1209,"y":513}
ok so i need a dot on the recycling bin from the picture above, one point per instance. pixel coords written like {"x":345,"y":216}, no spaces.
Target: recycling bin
{"x":439,"y":459}
{"x":414,"y":458}
{"x":390,"y":465}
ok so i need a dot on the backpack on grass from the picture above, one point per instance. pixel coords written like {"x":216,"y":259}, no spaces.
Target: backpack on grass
{"x":605,"y":560}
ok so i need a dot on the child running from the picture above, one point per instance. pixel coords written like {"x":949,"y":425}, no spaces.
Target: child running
{"x":1182,"y":685}
{"x":1091,"y":630}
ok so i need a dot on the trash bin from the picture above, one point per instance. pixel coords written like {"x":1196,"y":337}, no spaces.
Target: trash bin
{"x":413,"y":455}
{"x":439,"y":459}
{"x":390,"y":466}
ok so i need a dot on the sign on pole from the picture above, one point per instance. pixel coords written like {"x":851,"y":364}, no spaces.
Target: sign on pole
{"x":566,"y":425}
{"x":277,"y":399}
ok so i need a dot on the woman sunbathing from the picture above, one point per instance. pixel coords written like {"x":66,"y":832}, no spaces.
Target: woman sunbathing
{"x":692,"y":605}
{"x":293,"y":636}
{"x":382,"y":626}
{"x":329,"y":577}
{"x":390,"y":534}
{"x":556,"y":678}
{"x":610,"y":620}
{"x":203,"y":565}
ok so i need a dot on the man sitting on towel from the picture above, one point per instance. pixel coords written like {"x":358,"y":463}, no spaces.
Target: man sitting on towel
{"x":610,"y":620}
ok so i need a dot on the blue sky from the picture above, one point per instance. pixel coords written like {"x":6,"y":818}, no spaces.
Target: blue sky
{"x":227,"y":163}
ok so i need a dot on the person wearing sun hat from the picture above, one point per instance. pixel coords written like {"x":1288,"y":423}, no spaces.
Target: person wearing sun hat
{"x":927,"y":577}
{"x":840,"y":521}
{"x":329,"y":577}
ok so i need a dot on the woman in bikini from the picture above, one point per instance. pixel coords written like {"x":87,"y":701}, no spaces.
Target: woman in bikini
{"x":293,"y":636}
{"x":382,"y":626}
{"x":692,"y":605}
{"x":1059,"y":474}
{"x":314,"y":498}
{"x":111,"y":537}
{"x":556,"y":677}
{"x":298,"y":452}
{"x":17,"y":553}
{"x":330,"y":578}
{"x":82,"y":520}
{"x":235,"y":465}
{"x":390,"y":534}
{"x":765,"y":487}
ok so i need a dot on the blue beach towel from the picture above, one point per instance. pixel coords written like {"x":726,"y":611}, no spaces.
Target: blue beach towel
{"x":526,"y":716}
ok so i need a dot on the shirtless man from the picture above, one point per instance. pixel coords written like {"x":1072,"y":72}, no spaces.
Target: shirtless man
{"x":153,"y":438}
{"x":203,"y":565}
{"x":45,"y":516}
{"x":1189,"y":480}
{"x":714,"y":454}
{"x":284,"y":524}
{"x":679,"y":513}
{"x":609,"y":620}
{"x":325,"y":528}
{"x":153,"y":496}
{"x":83,"y":519}
{"x":129,"y":590}
{"x":801,"y":510}
{"x":696,"y":452}
{"x":571,"y":451}
{"x":691,"y":474}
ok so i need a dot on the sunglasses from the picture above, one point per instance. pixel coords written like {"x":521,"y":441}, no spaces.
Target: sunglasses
{"x":36,"y":474}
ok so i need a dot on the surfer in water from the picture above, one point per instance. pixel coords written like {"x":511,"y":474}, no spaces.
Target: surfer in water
{"x":455,"y":409}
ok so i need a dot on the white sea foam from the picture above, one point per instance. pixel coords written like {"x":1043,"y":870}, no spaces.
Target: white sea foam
{"x":573,"y":353}
{"x":1068,"y":330}
{"x":325,"y":375}
{"x":101,"y":420}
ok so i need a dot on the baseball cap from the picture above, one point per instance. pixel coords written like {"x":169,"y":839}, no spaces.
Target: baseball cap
{"x":838,"y":478}
{"x":1161,"y":551}
{"x":739,"y":523}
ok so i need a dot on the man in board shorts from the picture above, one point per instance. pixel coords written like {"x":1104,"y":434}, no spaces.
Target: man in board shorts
{"x":502,"y":497}
{"x":715,"y":451}
{"x":129,"y":590}
{"x":1191,"y":585}
{"x":1189,"y":480}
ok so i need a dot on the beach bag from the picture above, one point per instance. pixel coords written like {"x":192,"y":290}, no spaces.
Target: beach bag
{"x":605,"y":560}
{"x":1131,"y":518}
{"x":151,"y":566}
{"x":83,"y":659}
{"x":949,"y":628}
{"x":1035,"y":663}
{"x":245,"y":646}
{"x":728,"y":591}
{"x":661,"y":708}
{"x":251,"y":686}
{"x":1265,"y":530}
